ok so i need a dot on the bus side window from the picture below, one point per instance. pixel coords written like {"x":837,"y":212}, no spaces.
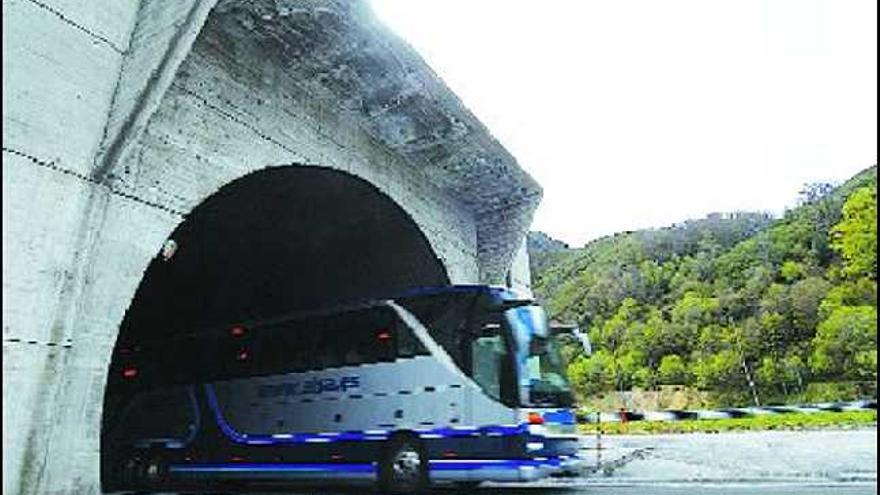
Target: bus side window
{"x":491,"y":366}
{"x":328,"y":351}
{"x":408,"y":346}
{"x":303,"y":340}
{"x":235,"y":353}
{"x":367,"y":336}
{"x":384,"y":335}
{"x":446,"y":318}
{"x":285,"y":347}
{"x":295,"y":348}
{"x":346,"y":336}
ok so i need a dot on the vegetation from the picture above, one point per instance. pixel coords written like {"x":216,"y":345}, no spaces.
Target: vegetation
{"x":745,"y":306}
{"x":790,"y":421}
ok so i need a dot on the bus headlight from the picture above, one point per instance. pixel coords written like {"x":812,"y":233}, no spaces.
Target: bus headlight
{"x":533,"y":446}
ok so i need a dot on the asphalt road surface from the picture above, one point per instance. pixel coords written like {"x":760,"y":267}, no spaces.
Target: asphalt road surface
{"x":842,"y":462}
{"x":777,"y":462}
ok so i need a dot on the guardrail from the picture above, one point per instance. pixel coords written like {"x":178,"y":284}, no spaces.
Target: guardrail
{"x":732,"y":412}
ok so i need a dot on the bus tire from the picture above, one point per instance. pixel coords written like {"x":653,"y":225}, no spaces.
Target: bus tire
{"x":403,"y":468}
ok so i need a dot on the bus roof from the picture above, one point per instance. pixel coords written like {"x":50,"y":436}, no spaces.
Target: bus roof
{"x":499,"y":292}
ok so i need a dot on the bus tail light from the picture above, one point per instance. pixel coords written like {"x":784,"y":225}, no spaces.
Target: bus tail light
{"x":535,"y":419}
{"x":237,"y":331}
{"x":129,"y":373}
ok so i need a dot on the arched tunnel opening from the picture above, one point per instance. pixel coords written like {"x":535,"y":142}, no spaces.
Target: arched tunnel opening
{"x":276,"y":241}
{"x":280,"y":240}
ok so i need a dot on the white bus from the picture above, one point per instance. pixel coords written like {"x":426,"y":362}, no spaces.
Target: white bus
{"x":456,"y":384}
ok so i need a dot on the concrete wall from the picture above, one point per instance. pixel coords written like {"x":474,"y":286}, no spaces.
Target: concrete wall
{"x":61,"y":61}
{"x":110,"y":138}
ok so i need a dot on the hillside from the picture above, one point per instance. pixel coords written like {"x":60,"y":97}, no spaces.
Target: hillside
{"x":742,"y":305}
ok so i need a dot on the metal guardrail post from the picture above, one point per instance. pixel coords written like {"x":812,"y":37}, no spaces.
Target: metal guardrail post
{"x":598,"y":440}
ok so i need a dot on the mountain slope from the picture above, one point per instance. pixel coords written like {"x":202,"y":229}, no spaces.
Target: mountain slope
{"x":738,"y":304}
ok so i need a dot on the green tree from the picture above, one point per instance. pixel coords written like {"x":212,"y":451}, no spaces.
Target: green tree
{"x":721,"y":371}
{"x":632,"y":371}
{"x":846,"y":344}
{"x":781,"y":375}
{"x":860,"y":292}
{"x":792,"y":270}
{"x":672,"y":370}
{"x":804,"y":298}
{"x":611,"y":333}
{"x":855,"y":237}
{"x":594,"y":374}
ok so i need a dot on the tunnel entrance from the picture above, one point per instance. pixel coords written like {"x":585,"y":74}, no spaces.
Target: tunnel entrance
{"x":280,"y":240}
{"x":273,"y":242}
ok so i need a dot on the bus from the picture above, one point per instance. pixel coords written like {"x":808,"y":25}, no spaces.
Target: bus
{"x":453,"y":384}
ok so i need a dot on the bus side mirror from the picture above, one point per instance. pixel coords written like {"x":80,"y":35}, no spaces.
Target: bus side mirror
{"x":577,"y":333}
{"x":584,"y":339}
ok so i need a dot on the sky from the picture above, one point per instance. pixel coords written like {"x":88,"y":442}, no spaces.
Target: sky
{"x":643,"y":113}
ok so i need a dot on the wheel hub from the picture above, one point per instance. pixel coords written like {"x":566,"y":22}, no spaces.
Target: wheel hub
{"x":406,"y":467}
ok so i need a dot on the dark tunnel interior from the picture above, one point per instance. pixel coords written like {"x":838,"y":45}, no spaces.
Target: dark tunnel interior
{"x":277,"y":241}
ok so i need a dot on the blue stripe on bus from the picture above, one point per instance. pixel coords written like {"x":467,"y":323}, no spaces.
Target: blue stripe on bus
{"x":349,"y":436}
{"x":559,"y":417}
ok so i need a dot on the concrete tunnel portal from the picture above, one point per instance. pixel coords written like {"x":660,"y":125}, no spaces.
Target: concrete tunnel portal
{"x":180,"y":106}
{"x":276,"y":241}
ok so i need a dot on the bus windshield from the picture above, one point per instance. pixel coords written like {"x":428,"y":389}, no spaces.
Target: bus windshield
{"x":542,"y":370}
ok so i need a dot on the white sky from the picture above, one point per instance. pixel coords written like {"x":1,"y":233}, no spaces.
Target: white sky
{"x":642,"y":113}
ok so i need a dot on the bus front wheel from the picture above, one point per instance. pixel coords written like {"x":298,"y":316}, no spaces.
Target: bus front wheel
{"x":404,"y":467}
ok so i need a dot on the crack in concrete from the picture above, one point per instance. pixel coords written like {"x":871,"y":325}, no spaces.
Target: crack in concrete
{"x":53,"y":166}
{"x":13,"y":340}
{"x":82,"y":28}
{"x":233,"y":118}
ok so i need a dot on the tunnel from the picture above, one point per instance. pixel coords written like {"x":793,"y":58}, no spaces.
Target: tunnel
{"x":275,"y":242}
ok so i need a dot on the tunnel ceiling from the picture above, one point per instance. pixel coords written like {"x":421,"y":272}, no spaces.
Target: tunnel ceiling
{"x":276,"y":241}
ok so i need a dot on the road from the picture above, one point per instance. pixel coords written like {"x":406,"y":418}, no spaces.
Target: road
{"x":779,"y":462}
{"x":842,"y":462}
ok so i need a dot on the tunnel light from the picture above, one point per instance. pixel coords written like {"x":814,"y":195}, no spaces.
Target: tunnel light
{"x":168,"y":249}
{"x":237,"y":331}
{"x":243,"y":355}
{"x":383,"y":335}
